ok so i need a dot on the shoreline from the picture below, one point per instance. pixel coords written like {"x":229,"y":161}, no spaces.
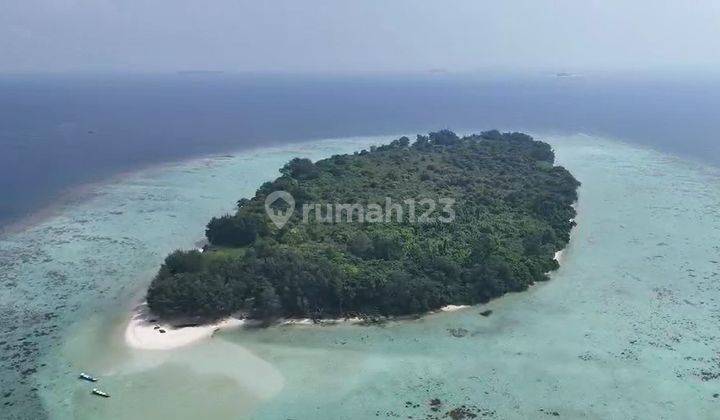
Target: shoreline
{"x":145,"y":332}
{"x":82,"y":191}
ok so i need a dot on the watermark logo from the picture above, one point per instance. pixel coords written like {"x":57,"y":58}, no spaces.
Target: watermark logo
{"x":425,"y":210}
{"x":279,"y":216}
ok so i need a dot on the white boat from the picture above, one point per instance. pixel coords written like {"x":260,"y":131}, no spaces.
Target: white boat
{"x":100,"y":393}
{"x":87,"y":377}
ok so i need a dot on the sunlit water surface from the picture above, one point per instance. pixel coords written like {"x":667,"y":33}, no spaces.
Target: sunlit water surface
{"x":627,"y":328}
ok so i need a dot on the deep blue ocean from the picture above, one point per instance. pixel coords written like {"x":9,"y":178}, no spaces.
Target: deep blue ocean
{"x":60,"y":132}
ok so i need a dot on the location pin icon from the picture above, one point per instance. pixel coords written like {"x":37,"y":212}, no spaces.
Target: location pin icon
{"x":279,"y":217}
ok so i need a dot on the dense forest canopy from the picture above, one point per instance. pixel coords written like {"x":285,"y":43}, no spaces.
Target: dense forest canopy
{"x":513,"y":211}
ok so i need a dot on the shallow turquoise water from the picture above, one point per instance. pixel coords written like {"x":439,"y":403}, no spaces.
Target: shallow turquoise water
{"x":86,"y":266}
{"x":627,"y":328}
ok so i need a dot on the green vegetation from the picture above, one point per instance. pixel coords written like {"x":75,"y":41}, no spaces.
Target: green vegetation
{"x":513,"y":210}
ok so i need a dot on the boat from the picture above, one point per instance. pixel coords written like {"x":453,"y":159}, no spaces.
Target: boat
{"x":87,"y":377}
{"x":100,"y":393}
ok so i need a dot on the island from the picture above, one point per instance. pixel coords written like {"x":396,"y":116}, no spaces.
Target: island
{"x":400,"y":229}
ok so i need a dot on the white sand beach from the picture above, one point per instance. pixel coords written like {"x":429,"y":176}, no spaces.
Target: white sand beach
{"x":453,"y":308}
{"x":144,"y":334}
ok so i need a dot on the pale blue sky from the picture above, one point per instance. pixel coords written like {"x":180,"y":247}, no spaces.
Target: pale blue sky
{"x":358,"y":36}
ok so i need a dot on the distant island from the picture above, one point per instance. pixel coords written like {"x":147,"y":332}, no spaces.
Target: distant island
{"x":506,"y":209}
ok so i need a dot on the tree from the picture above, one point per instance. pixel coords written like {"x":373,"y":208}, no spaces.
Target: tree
{"x":360,"y":245}
{"x":421,"y":142}
{"x":190,"y":294}
{"x":444,"y":138}
{"x":183,"y":262}
{"x":242,"y":203}
{"x":513,"y":210}
{"x":386,"y":247}
{"x":238,"y":230}
{"x":300,"y":168}
{"x":482,"y":247}
{"x":266,"y":303}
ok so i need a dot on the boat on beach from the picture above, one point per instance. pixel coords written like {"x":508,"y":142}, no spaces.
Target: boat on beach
{"x":87,"y":377}
{"x":99,"y":393}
